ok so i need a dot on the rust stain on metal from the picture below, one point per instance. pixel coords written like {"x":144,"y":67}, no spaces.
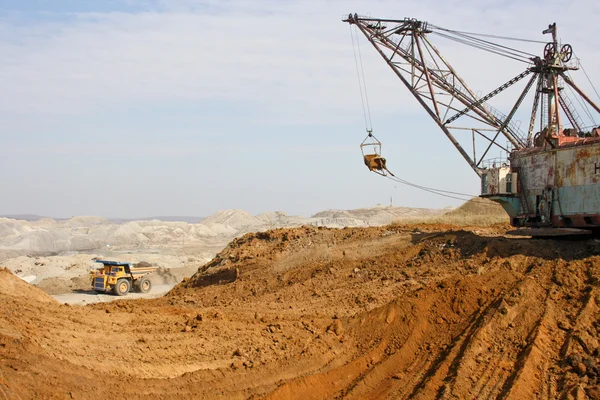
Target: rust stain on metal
{"x":374,"y":162}
{"x":583,"y":153}
{"x":570,"y":171}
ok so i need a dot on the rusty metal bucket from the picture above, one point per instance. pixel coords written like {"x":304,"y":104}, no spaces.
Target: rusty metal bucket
{"x":374,"y":162}
{"x":371,"y":151}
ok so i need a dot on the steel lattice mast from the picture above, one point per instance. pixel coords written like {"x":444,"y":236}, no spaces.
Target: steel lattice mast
{"x":436,"y":85}
{"x":451,"y":103}
{"x":550,"y":174}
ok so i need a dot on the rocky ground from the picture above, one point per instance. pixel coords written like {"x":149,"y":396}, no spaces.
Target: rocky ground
{"x":428,"y":311}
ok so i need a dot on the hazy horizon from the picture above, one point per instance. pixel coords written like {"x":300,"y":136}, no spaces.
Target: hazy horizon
{"x":185,"y":218}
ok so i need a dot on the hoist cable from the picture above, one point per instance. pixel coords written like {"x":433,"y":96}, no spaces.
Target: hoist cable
{"x":362,"y":69}
{"x":360,"y":86}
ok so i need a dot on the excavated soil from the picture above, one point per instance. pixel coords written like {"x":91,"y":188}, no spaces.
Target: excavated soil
{"x":359,"y":313}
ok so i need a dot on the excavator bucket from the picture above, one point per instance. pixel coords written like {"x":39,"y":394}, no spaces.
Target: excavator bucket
{"x":374,"y":162}
{"x":371,"y":151}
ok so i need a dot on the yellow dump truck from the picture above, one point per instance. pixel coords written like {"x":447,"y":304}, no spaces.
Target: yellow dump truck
{"x":120,"y":277}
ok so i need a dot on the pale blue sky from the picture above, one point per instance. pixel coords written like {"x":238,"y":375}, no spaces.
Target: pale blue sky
{"x":132,"y":108}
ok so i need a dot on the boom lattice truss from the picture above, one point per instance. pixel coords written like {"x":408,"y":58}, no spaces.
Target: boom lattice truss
{"x":452,"y":104}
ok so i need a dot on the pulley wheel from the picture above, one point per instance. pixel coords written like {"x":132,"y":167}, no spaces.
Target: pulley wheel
{"x":549,"y":51}
{"x":566,"y":52}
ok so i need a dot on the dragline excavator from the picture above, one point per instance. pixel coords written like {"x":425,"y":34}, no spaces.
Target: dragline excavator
{"x":551,"y":174}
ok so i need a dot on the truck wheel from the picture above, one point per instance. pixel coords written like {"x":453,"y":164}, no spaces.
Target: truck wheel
{"x":122,"y":287}
{"x":144,"y":285}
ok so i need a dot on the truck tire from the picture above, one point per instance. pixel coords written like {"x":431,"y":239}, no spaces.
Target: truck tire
{"x":144,"y":285}
{"x":122,"y":287}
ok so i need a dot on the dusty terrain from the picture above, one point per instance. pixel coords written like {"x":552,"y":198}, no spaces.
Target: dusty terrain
{"x":47,"y":236}
{"x":429,"y":311}
{"x":57,"y":256}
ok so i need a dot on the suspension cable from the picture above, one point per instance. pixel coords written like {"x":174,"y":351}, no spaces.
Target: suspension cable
{"x":492,"y":36}
{"x":582,"y":104}
{"x":487,"y":47}
{"x":487,"y":42}
{"x":467,"y":39}
{"x":361,"y":84}
{"x":588,"y":78}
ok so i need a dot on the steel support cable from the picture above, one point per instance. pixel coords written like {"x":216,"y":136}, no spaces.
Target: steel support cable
{"x":360,"y":86}
{"x":468,"y":37}
{"x":582,"y":104}
{"x":588,"y":78}
{"x":482,"y":45}
{"x":489,"y":49}
{"x":508,"y":50}
{"x":402,"y":23}
{"x":485,"y":45}
{"x":490,"y":36}
{"x":486,"y":48}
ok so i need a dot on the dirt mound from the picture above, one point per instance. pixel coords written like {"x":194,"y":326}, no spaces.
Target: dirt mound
{"x":316,"y":313}
{"x":14,"y":287}
{"x":481,"y":207}
{"x":60,"y":285}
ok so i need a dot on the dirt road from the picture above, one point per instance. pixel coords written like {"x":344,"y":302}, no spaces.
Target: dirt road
{"x":89,"y":296}
{"x":307,"y":313}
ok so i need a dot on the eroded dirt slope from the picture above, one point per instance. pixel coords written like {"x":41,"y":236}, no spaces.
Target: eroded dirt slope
{"x":309,"y":313}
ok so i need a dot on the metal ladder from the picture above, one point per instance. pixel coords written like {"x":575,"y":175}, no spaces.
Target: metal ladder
{"x":572,"y":114}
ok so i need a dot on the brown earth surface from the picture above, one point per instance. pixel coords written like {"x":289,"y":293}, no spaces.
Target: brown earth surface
{"x":396,"y":312}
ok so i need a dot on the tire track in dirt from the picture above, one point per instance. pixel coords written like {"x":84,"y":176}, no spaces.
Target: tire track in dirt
{"x":531,"y":376}
{"x":482,"y":374}
{"x":406,"y":361}
{"x":428,"y":367}
{"x":526,"y":360}
{"x":447,"y":364}
{"x":583,"y":318}
{"x":406,"y":369}
{"x":489,"y":344}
